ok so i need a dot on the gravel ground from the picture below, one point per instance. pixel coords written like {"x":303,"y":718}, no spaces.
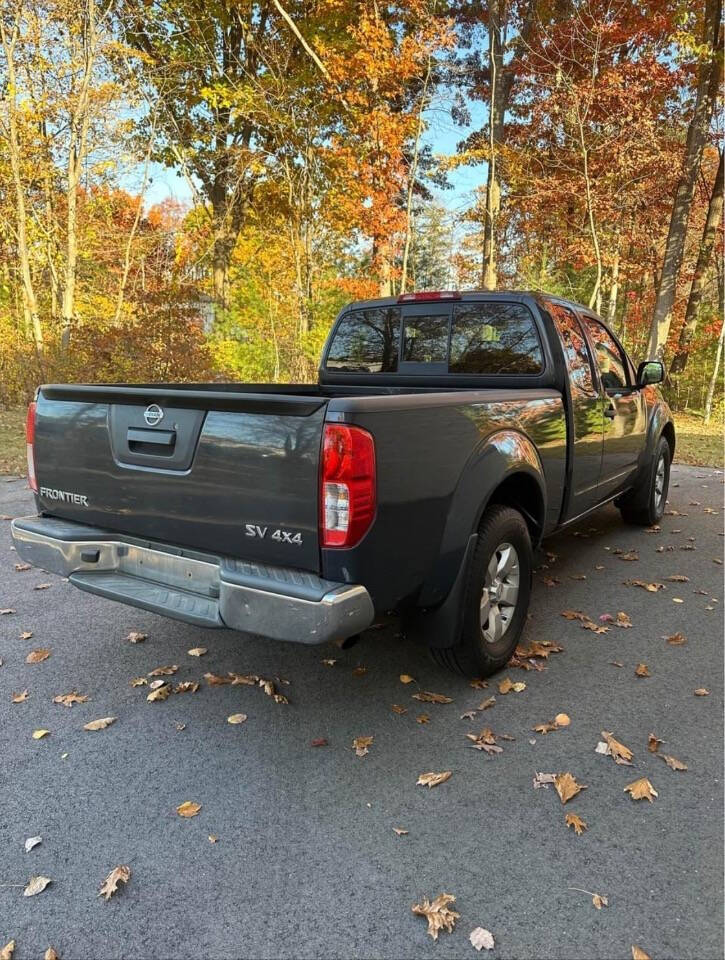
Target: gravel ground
{"x":306,"y":861}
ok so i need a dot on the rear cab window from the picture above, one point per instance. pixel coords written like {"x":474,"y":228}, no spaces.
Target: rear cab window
{"x":366,"y":341}
{"x":494,"y":338}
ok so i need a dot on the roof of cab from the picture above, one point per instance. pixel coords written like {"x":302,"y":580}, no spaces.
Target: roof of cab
{"x":457,"y":296}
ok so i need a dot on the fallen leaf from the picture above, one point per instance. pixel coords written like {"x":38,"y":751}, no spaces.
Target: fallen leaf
{"x":650,"y":587}
{"x":22,"y":567}
{"x":406,"y":678}
{"x":506,"y":686}
{"x":653,"y":743}
{"x":575,"y":821}
{"x":359,"y":671}
{"x":617,"y":750}
{"x":26,"y":634}
{"x":551,"y":581}
{"x":6,"y":953}
{"x":479,"y":684}
{"x":433,"y":779}
{"x":37,"y":656}
{"x":41,"y":586}
{"x":641,"y":789}
{"x":50,"y":954}
{"x":186,"y":686}
{"x":677,"y":639}
{"x":629,"y":555}
{"x":642,"y":670}
{"x":110,"y":884}
{"x":567,"y":787}
{"x":677,"y":600}
{"x":678,"y":578}
{"x":320,"y":742}
{"x":39,"y":734}
{"x":36,"y":885}
{"x":99,"y":724}
{"x":623,"y":620}
{"x":545,"y":727}
{"x":481,"y":939}
{"x":188,"y":809}
{"x":6,"y":611}
{"x":20,"y":697}
{"x":427,"y":697}
{"x":328,"y":662}
{"x":160,"y":693}
{"x":197,"y":651}
{"x":212,"y":838}
{"x":155,"y":684}
{"x":32,"y":842}
{"x":639,"y":954}
{"x":485,"y":740}
{"x":702,"y":692}
{"x":437,"y":913}
{"x":422,"y":718}
{"x":672,"y":762}
{"x":562,"y":720}
{"x":139,"y":682}
{"x":68,"y":699}
{"x":236,"y":718}
{"x":487,"y":704}
{"x":468,"y":715}
{"x":135,"y":637}
{"x":400,"y":831}
{"x":163,"y":671}
{"x":399,"y":709}
{"x":362,"y":745}
{"x":616,"y":663}
{"x":543,"y":780}
{"x":599,"y":901}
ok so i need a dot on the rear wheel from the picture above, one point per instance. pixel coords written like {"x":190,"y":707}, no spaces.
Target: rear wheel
{"x":645,"y":504}
{"x":497,"y":596}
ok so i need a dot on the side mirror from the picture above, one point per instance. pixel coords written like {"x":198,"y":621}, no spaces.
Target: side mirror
{"x":650,"y":371}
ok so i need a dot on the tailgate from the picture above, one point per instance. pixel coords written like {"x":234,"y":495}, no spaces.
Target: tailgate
{"x":227,"y":472}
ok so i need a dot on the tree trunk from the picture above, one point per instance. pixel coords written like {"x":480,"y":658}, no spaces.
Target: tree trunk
{"x":411,"y":179}
{"x":709,"y":233}
{"x":613,"y":290}
{"x":707,"y":88}
{"x":713,"y":378}
{"x":496,"y":110}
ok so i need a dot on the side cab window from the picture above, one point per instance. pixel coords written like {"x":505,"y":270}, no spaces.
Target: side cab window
{"x":611,"y":360}
{"x":576,"y":351}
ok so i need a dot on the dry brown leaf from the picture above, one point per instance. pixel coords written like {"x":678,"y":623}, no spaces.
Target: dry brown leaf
{"x":37,"y":656}
{"x":567,"y":787}
{"x":319,"y":742}
{"x":574,"y":615}
{"x":236,"y":718}
{"x":26,"y":634}
{"x":623,"y":620}
{"x":139,"y":682}
{"x":186,"y":686}
{"x":543,"y":780}
{"x":621,"y":754}
{"x":639,"y":954}
{"x":599,"y":901}
{"x":99,"y":724}
{"x":160,"y":693}
{"x":22,"y":567}
{"x":650,"y":587}
{"x":702,"y":692}
{"x":672,"y":762}
{"x":109,"y":886}
{"x":329,"y":662}
{"x":36,"y":885}
{"x":39,"y":734}
{"x":400,"y":831}
{"x":562,"y":720}
{"x":359,"y":671}
{"x":68,"y":699}
{"x":422,"y":718}
{"x":642,"y":670}
{"x":197,"y":651}
{"x":590,"y":625}
{"x":427,"y":697}
{"x":545,"y":727}
{"x":468,"y":715}
{"x":212,"y":838}
{"x":163,"y":671}
{"x":487,"y":704}
{"x":678,"y":578}
{"x":479,"y":684}
{"x":507,"y":685}
{"x":481,"y":939}
{"x":214,"y":680}
{"x":50,"y":954}
{"x":155,"y":684}
{"x":362,"y":745}
{"x":653,"y":743}
{"x":20,"y":697}
{"x":188,"y":809}
{"x":575,"y":821}
{"x":399,"y":709}
{"x":485,"y":740}
{"x":241,"y":679}
{"x":41,"y":586}
{"x":641,"y":789}
{"x":406,"y":678}
{"x":677,"y":639}
{"x":6,"y":953}
{"x":433,"y":779}
{"x":136,"y":637}
{"x":271,"y":691}
{"x":437,"y":913}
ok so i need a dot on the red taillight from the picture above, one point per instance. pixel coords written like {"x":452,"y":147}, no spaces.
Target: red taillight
{"x":347,"y":485}
{"x":30,"y":444}
{"x":429,"y":295}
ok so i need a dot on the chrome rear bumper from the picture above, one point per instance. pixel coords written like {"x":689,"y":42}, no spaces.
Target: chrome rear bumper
{"x":275,"y":602}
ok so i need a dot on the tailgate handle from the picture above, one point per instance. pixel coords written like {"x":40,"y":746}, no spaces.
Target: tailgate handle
{"x":137,"y":439}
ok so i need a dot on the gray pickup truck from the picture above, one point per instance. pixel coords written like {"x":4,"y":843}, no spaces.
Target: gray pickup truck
{"x":447,"y":435}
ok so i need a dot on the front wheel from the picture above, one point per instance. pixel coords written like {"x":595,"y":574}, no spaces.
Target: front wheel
{"x":645,"y":504}
{"x":497,"y":596}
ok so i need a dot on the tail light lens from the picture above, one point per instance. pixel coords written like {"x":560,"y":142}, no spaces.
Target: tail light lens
{"x":30,"y":446}
{"x":347,"y":485}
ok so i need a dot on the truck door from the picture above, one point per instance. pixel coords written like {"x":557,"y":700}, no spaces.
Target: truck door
{"x":625,"y":418}
{"x":585,"y":450}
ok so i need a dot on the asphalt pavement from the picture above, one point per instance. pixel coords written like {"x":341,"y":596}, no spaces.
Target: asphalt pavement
{"x":305,"y":861}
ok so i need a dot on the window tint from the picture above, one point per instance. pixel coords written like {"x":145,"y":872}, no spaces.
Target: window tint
{"x":494,"y":338}
{"x":576,"y":351}
{"x":366,"y":341}
{"x":611,"y":362}
{"x":426,"y":339}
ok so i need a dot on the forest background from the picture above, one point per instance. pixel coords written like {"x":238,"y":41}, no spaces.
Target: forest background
{"x":191,"y":190}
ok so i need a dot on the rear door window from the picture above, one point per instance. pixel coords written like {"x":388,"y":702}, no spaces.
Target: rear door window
{"x":494,"y":338}
{"x":366,"y":341}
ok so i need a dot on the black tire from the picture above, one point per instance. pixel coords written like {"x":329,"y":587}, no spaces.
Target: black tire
{"x":474,"y":655}
{"x":644,"y":505}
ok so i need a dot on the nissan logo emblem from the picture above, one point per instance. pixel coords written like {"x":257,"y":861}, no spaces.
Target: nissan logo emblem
{"x":153,"y":414}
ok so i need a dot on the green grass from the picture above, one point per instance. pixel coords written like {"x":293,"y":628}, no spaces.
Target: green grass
{"x":698,"y":444}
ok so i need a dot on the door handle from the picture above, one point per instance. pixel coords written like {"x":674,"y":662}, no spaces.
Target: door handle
{"x":611,"y":411}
